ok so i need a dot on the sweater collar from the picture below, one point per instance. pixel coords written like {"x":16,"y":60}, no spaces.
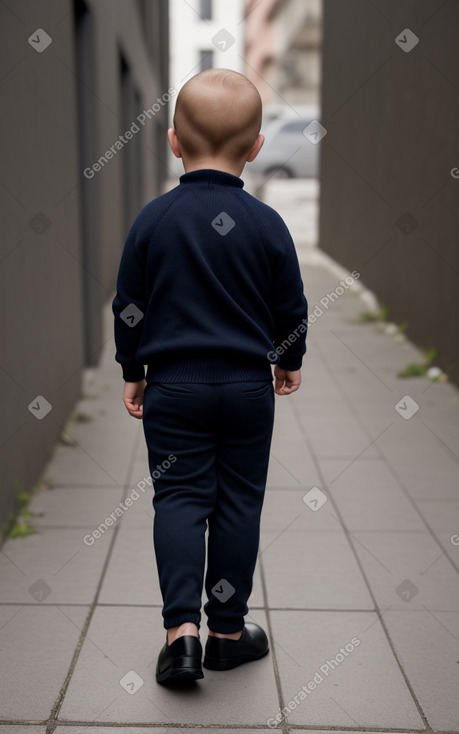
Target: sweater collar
{"x":212,"y":176}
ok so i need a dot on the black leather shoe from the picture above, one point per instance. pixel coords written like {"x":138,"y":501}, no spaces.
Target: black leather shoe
{"x":224,"y":654}
{"x":180,"y":661}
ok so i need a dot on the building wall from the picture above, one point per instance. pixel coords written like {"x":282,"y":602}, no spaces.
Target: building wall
{"x":283,"y":50}
{"x":203,"y":34}
{"x":193,"y":37}
{"x":63,"y":106}
{"x":297,"y":40}
{"x":259,"y":47}
{"x":388,"y":199}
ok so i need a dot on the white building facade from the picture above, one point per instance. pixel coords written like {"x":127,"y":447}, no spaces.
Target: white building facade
{"x":205,"y":34}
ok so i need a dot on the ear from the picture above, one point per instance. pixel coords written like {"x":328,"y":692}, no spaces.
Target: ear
{"x":256,"y":147}
{"x":173,"y":142}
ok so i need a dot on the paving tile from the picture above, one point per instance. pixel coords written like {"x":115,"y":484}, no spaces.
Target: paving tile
{"x":140,"y":513}
{"x":368,"y":496}
{"x":434,"y":477}
{"x":334,"y":434}
{"x":426,"y":468}
{"x":443,"y":517}
{"x":375,"y":356}
{"x":428,"y":646}
{"x":443,"y":426}
{"x":131,"y":576}
{"x":37,"y":645}
{"x":312,"y":571}
{"x":291,"y":463}
{"x":142,"y":730}
{"x":379,"y":416}
{"x":348,"y":349}
{"x":336,"y":731}
{"x":71,"y":507}
{"x":21,"y":729}
{"x":140,"y":470}
{"x":102,"y":448}
{"x":288,"y":471}
{"x":69,"y":568}
{"x":441,"y":514}
{"x":316,"y":384}
{"x":407,"y":571}
{"x":87,"y":467}
{"x":364,"y":381}
{"x":362,"y":688}
{"x":129,"y":639}
{"x":285,"y":508}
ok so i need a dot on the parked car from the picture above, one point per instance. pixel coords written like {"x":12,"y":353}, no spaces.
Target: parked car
{"x":287,"y":152}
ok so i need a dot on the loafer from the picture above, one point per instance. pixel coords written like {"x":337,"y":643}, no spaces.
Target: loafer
{"x":224,"y":654}
{"x":180,"y":661}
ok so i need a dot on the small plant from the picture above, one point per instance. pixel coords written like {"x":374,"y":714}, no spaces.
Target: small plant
{"x":20,"y":526}
{"x":83,"y":418}
{"x":66,"y":440}
{"x":384,"y":313}
{"x":22,"y":499}
{"x":413,"y":370}
{"x":368,"y":317}
{"x":416,"y":369}
{"x":430,"y":355}
{"x":371,"y":316}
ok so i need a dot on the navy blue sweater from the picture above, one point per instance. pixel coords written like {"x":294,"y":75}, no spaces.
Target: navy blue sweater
{"x":209,"y":287}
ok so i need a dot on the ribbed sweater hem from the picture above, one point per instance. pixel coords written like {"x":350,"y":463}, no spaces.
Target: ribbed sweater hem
{"x":215,"y":369}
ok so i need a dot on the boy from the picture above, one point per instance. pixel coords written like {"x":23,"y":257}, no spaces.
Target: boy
{"x":209,"y":286}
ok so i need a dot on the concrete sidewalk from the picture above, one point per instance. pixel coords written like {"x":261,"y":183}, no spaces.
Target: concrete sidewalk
{"x":357,"y":575}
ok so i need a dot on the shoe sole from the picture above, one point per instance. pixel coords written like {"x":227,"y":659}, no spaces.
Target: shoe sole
{"x":190,"y":671}
{"x":230,"y":663}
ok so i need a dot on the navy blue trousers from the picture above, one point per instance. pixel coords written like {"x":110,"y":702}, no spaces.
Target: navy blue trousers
{"x":208,"y":452}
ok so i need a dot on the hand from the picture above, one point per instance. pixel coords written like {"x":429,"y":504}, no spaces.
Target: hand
{"x":286,"y":382}
{"x":133,"y":397}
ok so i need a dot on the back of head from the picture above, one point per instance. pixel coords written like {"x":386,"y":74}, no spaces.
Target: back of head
{"x":218,"y":112}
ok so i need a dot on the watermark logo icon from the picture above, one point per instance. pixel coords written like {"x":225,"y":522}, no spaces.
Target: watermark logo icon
{"x":314,"y":132}
{"x":131,"y":682}
{"x":407,"y":40}
{"x":406,"y":590}
{"x":131,"y":315}
{"x":223,"y":590}
{"x":39,"y":223}
{"x":40,"y":40}
{"x":223,"y":40}
{"x":39,"y":590}
{"x":315,"y":499}
{"x":223,"y":223}
{"x":406,"y":223}
{"x":407,"y":407}
{"x":40,"y":407}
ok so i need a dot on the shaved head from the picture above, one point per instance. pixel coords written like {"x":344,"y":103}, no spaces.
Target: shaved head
{"x":218,"y":112}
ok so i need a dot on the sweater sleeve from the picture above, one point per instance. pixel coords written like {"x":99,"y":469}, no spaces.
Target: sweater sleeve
{"x":288,"y":302}
{"x":130,"y":303}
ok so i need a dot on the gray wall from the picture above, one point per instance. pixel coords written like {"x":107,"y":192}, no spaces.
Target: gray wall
{"x":393,"y":119}
{"x":62,"y":233}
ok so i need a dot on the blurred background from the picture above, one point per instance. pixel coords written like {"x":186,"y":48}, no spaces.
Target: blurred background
{"x":361,"y":113}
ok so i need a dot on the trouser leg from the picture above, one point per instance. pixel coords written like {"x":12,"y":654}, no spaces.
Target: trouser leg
{"x":244,"y":431}
{"x":179,"y":422}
